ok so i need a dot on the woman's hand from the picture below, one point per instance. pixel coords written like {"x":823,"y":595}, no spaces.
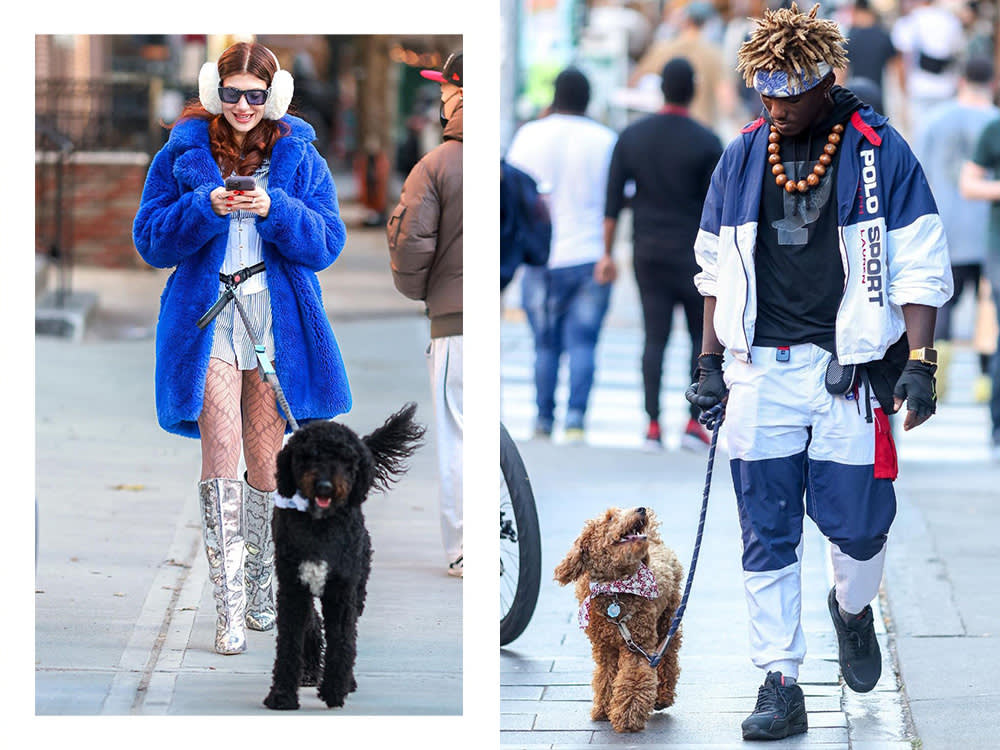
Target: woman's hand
{"x":255,"y":201}
{"x":226,"y":201}
{"x":219,"y":200}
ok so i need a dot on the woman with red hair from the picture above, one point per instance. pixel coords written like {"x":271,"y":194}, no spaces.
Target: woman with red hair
{"x":266,"y":243}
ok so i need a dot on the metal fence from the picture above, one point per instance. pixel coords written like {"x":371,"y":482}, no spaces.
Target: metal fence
{"x":115,"y":114}
{"x":72,"y":116}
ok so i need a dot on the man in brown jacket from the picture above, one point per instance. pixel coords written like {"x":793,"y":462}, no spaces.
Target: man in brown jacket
{"x":425,"y":249}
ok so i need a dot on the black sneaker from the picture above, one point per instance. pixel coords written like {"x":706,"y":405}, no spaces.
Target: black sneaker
{"x":780,"y":711}
{"x":860,"y":658}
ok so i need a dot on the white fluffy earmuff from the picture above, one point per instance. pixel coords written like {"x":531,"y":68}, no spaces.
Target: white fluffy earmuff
{"x":282,"y":88}
{"x":208,"y":88}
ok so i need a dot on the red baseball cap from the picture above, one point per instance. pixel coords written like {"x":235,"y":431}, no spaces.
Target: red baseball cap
{"x":451,"y":71}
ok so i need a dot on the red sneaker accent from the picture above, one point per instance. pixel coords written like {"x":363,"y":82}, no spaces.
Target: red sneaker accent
{"x":653,"y":431}
{"x":695,"y":430}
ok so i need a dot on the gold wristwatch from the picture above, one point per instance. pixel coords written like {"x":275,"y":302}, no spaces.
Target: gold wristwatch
{"x":925,"y":354}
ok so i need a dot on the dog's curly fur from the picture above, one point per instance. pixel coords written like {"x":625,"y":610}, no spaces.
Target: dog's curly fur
{"x":325,"y":551}
{"x":610,"y":547}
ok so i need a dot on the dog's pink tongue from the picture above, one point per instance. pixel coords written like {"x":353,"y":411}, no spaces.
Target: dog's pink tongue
{"x":323,"y":502}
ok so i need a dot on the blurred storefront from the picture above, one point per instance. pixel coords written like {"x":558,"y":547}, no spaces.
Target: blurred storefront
{"x":600,"y":37}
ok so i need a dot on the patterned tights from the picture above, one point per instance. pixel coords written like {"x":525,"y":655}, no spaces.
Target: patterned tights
{"x":239,"y":406}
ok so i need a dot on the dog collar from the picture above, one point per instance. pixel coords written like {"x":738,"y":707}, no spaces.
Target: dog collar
{"x":296,"y":502}
{"x":641,"y":583}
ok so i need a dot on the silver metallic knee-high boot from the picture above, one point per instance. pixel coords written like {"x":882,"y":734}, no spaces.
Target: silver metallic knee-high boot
{"x":258,"y":507}
{"x":221,"y":510}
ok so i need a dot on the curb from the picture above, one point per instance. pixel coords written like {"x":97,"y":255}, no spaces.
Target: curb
{"x":135,"y":674}
{"x":885,"y":611}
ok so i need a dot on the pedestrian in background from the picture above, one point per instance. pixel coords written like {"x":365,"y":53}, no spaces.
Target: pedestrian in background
{"x":268,"y":243}
{"x":525,"y":226}
{"x":931,"y":39}
{"x":425,"y":250}
{"x":978,"y":181}
{"x":792,"y":281}
{"x":737,"y":30}
{"x":567,"y":154}
{"x":371,"y":174}
{"x":669,"y":157}
{"x":870,"y":51}
{"x":945,"y":140}
{"x":714,"y":98}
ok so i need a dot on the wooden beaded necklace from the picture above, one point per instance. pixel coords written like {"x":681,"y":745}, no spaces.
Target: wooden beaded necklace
{"x":818,"y":170}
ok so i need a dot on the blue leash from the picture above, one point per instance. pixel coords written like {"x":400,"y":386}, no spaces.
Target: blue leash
{"x":712,"y":419}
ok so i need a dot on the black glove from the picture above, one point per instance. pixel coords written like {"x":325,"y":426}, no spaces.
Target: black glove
{"x":916,"y":387}
{"x":709,"y":388}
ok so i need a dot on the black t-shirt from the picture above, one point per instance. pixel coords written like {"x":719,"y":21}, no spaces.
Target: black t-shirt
{"x":869,"y":48}
{"x":800,"y":274}
{"x":671,"y":159}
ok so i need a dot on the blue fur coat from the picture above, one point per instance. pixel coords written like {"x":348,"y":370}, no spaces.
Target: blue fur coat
{"x":302,"y":234}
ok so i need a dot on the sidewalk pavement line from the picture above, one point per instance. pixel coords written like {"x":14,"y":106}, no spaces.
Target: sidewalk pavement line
{"x":857,"y":733}
{"x":140,"y":655}
{"x":163,"y":676}
{"x":909,"y":726}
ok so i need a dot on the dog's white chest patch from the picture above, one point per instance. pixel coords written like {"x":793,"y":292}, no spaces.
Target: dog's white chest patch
{"x":313,"y":575}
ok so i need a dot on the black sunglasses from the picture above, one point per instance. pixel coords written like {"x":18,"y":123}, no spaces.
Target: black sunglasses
{"x":231,"y":95}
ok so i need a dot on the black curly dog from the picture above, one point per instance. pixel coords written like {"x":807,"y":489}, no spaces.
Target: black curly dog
{"x":325,"y":551}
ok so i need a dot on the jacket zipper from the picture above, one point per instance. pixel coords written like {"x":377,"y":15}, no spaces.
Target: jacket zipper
{"x":843,"y":293}
{"x":746,"y":297}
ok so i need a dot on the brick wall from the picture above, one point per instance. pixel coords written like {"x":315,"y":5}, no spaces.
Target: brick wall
{"x":101,"y":194}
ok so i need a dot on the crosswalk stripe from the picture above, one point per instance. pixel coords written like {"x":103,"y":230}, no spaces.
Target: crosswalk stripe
{"x":958,"y":432}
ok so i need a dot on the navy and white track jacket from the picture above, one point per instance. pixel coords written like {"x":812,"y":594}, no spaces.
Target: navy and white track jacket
{"x":892,"y":243}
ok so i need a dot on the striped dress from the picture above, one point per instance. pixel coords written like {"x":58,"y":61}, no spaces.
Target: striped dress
{"x":232,"y":344}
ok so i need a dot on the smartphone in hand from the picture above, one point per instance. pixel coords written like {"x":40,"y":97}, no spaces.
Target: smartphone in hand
{"x":238,"y":182}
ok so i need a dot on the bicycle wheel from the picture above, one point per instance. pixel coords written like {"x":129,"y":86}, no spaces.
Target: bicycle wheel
{"x":520,"y":544}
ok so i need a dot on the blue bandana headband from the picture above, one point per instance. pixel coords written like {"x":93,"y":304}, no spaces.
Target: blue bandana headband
{"x":779,"y":84}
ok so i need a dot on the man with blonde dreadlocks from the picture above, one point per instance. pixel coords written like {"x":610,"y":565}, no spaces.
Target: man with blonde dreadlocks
{"x":820,"y":249}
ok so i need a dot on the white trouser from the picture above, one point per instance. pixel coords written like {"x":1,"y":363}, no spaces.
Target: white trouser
{"x":444,"y":359}
{"x":789,"y":438}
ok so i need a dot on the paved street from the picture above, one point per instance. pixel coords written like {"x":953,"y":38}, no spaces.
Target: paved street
{"x":124,"y":613}
{"x":935,"y":619}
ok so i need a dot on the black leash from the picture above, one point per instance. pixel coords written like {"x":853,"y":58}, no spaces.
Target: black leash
{"x":267,"y":373}
{"x":712,"y":419}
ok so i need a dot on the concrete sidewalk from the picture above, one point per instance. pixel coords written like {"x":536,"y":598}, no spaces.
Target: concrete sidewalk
{"x":124,"y":615}
{"x":942,"y":568}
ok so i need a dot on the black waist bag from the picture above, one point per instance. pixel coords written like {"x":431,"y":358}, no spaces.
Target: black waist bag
{"x":934,"y":65}
{"x":840,"y":378}
{"x":883,"y":373}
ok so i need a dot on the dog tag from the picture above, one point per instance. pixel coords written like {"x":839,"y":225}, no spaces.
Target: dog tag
{"x":614,"y":610}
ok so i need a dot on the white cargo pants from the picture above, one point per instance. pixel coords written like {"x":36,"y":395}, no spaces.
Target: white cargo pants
{"x":795,"y":450}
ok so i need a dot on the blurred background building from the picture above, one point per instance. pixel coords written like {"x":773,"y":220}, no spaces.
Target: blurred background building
{"x":102,"y":102}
